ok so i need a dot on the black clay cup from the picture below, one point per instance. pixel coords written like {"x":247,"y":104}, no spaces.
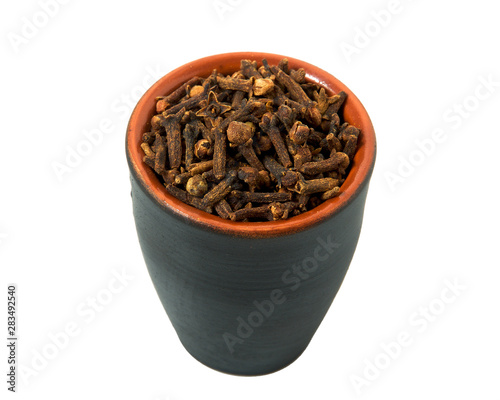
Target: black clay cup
{"x":246,"y":297}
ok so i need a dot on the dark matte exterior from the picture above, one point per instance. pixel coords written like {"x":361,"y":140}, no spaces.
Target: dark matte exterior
{"x":206,"y":280}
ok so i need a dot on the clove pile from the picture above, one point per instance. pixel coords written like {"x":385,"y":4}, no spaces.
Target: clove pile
{"x":262,"y":144}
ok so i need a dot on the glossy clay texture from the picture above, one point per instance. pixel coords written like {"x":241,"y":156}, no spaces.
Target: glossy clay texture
{"x":211,"y":274}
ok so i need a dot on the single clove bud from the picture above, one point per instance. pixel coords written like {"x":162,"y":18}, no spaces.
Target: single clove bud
{"x":349,"y":130}
{"x":249,"y":69}
{"x":190,"y":134}
{"x":336,"y":161}
{"x":334,"y":126}
{"x":237,"y":100}
{"x":187,"y":198}
{"x":201,"y":167}
{"x":244,"y":85}
{"x":269,"y":125}
{"x":240,"y":132}
{"x":350,"y":146}
{"x":301,"y":154}
{"x":264,"y":72}
{"x":263,"y":143}
{"x":247,"y":151}
{"x":286,"y":115}
{"x":182,"y":178}
{"x":333,"y":144}
{"x":219,"y":153}
{"x":147,"y":150}
{"x":290,"y":178}
{"x":250,"y":176}
{"x":275,"y":169}
{"x":161,"y":154}
{"x":213,"y":107}
{"x":283,"y":65}
{"x":148,"y":137}
{"x":178,"y":93}
{"x":262,"y":212}
{"x":330,"y":194}
{"x":315,"y":185}
{"x":223,"y":209}
{"x":197,"y":186}
{"x":334,"y":107}
{"x":220,"y":190}
{"x":323,"y":101}
{"x":259,"y":197}
{"x":298,"y":75}
{"x":299,"y":133}
{"x":203,"y":149}
{"x":262,"y":86}
{"x":172,"y":127}
{"x":282,"y":210}
{"x":156,"y":124}
{"x":195,"y":90}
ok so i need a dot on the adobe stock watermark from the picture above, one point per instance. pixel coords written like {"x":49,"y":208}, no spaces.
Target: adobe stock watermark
{"x":92,"y":138}
{"x":363,"y":36}
{"x":222,"y":7}
{"x":30,"y":27}
{"x":418,"y":322}
{"x":454,"y":116}
{"x":86,"y":312}
{"x":292,"y":278}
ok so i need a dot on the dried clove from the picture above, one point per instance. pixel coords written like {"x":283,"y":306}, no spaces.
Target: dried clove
{"x":275,"y":169}
{"x":299,"y":133}
{"x":262,"y":212}
{"x":182,"y":178}
{"x":197,"y":186}
{"x":269,"y":125}
{"x":187,"y":198}
{"x":201,"y":167}
{"x":297,"y":93}
{"x":336,"y":161}
{"x":220,"y":190}
{"x":247,"y":151}
{"x":240,"y":132}
{"x":335,"y":105}
{"x":330,"y":194}
{"x":257,"y":197}
{"x":235,"y":84}
{"x":263,"y":135}
{"x":262,"y":86}
{"x":160,"y":154}
{"x":286,"y":116}
{"x":298,"y":75}
{"x":315,"y":185}
{"x":350,"y":146}
{"x":249,"y":69}
{"x":202,"y":149}
{"x":190,"y":134}
{"x":223,"y":209}
{"x":172,"y":126}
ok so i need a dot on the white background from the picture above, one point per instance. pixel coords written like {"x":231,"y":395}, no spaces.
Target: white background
{"x":62,"y":240}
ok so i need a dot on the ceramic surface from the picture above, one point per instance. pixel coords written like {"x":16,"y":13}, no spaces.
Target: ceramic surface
{"x":246,"y":297}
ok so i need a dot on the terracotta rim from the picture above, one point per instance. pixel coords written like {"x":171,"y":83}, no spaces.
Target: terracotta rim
{"x":354,"y":113}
